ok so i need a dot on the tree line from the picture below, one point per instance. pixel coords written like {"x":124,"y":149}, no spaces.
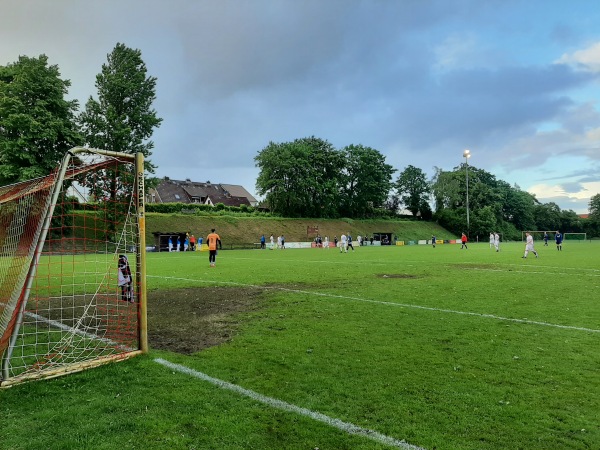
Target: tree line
{"x":310,"y":178}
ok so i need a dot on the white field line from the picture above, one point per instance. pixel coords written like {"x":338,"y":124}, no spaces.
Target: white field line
{"x":284,"y":406}
{"x":402,"y":305}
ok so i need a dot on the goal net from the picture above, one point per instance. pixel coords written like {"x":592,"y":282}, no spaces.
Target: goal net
{"x":72,"y":267}
{"x":581,"y":237}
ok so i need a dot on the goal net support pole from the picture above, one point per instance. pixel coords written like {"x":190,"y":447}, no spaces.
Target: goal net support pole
{"x":67,"y":314}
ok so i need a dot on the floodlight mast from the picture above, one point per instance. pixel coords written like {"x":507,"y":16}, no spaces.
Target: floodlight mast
{"x":467,"y":155}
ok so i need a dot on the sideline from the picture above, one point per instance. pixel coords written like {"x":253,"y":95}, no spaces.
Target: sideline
{"x":279,"y":404}
{"x":402,"y":305}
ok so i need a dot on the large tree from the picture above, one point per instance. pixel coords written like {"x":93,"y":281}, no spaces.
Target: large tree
{"x":122,"y":119}
{"x":365,"y":181}
{"x":300,"y":178}
{"x":594,"y":208}
{"x":414,"y":190}
{"x":37,"y":124}
{"x":593,"y":222}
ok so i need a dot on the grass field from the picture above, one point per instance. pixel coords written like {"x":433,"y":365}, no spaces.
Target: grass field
{"x":384,"y":347}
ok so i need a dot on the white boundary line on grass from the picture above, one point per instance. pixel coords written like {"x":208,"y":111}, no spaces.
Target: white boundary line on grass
{"x":284,"y":406}
{"x":403,"y":305}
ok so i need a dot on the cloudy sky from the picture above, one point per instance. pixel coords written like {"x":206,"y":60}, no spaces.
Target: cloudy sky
{"x":515,"y":81}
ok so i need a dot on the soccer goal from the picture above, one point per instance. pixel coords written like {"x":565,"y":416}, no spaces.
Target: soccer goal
{"x":72,"y":267}
{"x":580,"y":237}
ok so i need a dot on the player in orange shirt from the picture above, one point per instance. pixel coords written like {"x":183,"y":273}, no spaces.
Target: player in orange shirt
{"x":212,"y":240}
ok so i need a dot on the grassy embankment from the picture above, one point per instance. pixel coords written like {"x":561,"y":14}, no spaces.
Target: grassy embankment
{"x":240,"y":231}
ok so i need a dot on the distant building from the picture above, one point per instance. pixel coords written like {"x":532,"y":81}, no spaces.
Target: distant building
{"x":205,"y":193}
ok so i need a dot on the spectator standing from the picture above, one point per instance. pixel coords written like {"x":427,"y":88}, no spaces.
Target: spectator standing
{"x":192,"y":243}
{"x":326,"y":242}
{"x":178,"y":244}
{"x":272,"y":242}
{"x":433,"y":241}
{"x":263,"y":243}
{"x":170,"y":244}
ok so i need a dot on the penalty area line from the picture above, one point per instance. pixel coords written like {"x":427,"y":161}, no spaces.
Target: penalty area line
{"x":284,"y":406}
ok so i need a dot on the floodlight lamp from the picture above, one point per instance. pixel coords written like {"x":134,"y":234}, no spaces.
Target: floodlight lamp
{"x":467,"y":153}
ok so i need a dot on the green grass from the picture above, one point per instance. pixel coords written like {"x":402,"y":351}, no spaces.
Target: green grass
{"x":444,"y":348}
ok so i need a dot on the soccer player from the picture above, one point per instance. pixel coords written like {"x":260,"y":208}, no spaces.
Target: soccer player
{"x":529,"y":246}
{"x":349,"y":241}
{"x":545,"y":239}
{"x":326,"y":242}
{"x":463,"y":241}
{"x":497,"y":241}
{"x":124,"y":279}
{"x":558,"y":238}
{"x":343,"y":243}
{"x":491,"y":240}
{"x":212,"y":240}
{"x":192,"y":243}
{"x":433,"y":241}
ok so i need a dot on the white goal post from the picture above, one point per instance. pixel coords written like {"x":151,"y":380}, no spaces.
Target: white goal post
{"x":72,"y":267}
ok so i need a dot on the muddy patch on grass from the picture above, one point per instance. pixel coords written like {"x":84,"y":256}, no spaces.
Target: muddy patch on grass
{"x":191,"y":319}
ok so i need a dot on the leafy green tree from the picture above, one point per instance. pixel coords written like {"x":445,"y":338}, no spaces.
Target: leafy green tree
{"x":300,"y":178}
{"x":594,"y":208}
{"x":570,"y":222}
{"x":414,"y":189}
{"x":122,"y":119}
{"x":483,"y":221}
{"x":37,"y":124}
{"x":547,"y":216}
{"x":365,"y":181}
